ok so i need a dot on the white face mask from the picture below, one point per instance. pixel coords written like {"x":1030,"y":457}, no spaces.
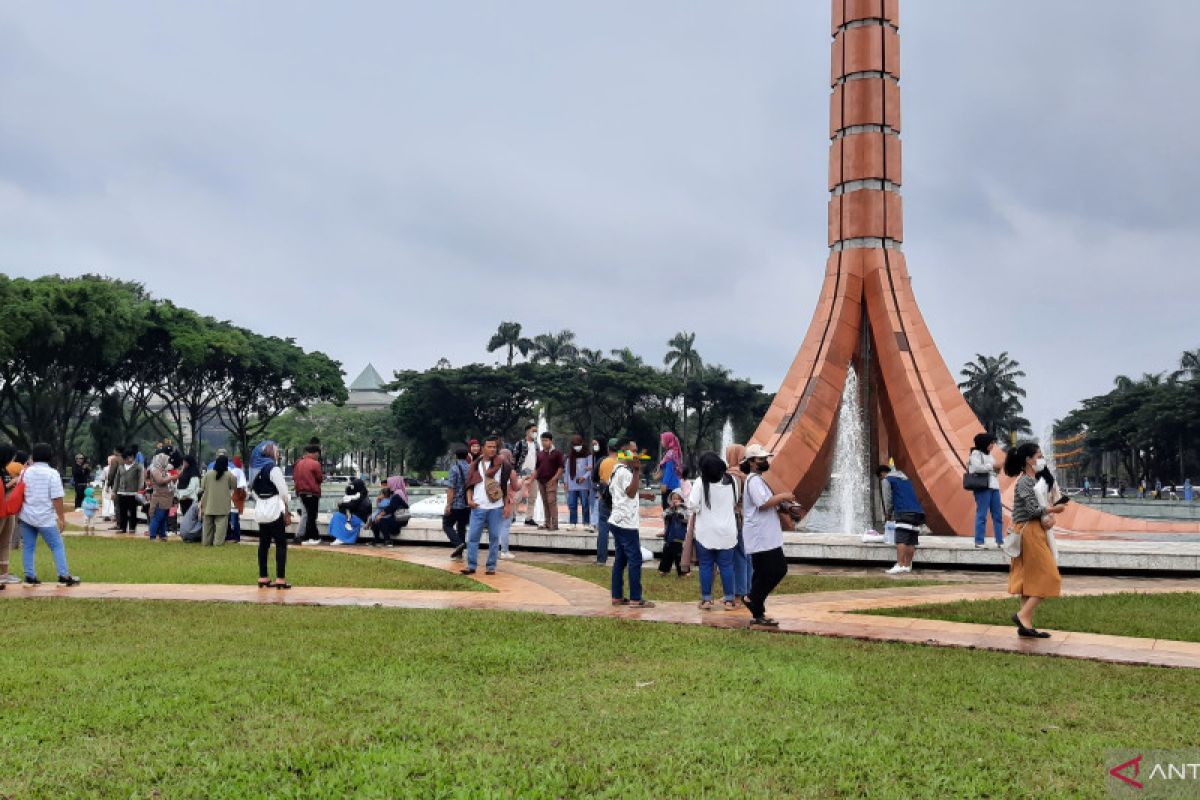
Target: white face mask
{"x":578,"y":448}
{"x":1039,"y":465}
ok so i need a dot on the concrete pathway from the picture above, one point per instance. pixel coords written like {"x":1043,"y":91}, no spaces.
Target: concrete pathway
{"x":524,"y":587}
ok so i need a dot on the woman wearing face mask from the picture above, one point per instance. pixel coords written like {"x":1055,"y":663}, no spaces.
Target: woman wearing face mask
{"x":1034,"y":574}
{"x":578,"y":477}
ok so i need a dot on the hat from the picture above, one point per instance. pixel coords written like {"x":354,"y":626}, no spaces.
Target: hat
{"x":757,"y":451}
{"x":614,"y":443}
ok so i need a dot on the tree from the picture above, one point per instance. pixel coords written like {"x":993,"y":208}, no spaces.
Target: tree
{"x":509,"y":335}
{"x":1189,"y":365}
{"x":343,"y":431}
{"x":627,"y":357}
{"x":553,"y":348}
{"x":991,"y":390}
{"x":271,"y":376}
{"x":65,"y":341}
{"x":589,"y":358}
{"x":684,"y":363}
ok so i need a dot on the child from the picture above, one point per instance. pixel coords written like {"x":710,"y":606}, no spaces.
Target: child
{"x":674,"y":532}
{"x":90,"y":507}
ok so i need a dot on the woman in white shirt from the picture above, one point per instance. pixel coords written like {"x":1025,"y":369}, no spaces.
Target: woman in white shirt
{"x":714,"y":527}
{"x":987,"y":501}
{"x":272,"y":512}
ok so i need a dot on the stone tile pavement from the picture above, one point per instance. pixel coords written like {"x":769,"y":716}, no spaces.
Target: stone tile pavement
{"x":524,"y":587}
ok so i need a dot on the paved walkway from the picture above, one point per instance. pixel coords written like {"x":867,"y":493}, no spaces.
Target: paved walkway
{"x":523,"y":587}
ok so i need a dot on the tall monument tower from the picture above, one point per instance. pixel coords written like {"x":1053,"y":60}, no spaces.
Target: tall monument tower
{"x":867,"y":314}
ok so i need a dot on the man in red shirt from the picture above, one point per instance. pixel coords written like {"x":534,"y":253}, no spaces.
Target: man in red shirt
{"x":549,"y":470}
{"x":307,"y":476}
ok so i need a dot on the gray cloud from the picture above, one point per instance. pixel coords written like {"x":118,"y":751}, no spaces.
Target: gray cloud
{"x":386,"y":181}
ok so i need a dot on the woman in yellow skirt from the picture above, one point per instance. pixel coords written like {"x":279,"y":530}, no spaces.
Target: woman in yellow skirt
{"x":1034,"y":574}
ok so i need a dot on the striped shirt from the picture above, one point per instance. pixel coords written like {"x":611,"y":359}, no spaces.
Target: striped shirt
{"x":1026,"y":505}
{"x":43,"y":485}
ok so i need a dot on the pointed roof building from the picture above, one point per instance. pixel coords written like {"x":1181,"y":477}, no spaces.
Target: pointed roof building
{"x":367,"y":392}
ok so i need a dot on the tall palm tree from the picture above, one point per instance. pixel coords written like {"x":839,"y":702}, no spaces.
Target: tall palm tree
{"x":991,"y":390}
{"x":553,"y":348}
{"x":683,"y":361}
{"x":1189,"y":366}
{"x":509,"y":335}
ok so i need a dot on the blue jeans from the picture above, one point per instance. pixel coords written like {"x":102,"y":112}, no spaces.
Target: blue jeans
{"x":505,"y":527}
{"x":584,"y":498}
{"x":629,"y":553}
{"x":743,"y":569}
{"x":602,"y":533}
{"x":985,"y":501}
{"x":53,"y":540}
{"x":235,"y":528}
{"x":494,"y":519}
{"x":158,"y":522}
{"x":724,"y":561}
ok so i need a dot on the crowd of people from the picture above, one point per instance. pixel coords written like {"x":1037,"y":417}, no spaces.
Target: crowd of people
{"x":725,"y":519}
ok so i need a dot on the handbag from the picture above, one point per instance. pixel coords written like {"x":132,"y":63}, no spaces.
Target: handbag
{"x":976,"y":481}
{"x":1012,"y":542}
{"x":492,"y":487}
{"x":14,"y":499}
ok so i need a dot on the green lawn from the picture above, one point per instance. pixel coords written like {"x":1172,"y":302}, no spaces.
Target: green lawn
{"x":105,"y":560}
{"x":1153,"y":616}
{"x":197,"y":700}
{"x":672,"y":588}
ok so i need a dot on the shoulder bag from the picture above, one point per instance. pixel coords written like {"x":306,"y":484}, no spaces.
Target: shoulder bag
{"x":1012,"y":542}
{"x":976,"y":481}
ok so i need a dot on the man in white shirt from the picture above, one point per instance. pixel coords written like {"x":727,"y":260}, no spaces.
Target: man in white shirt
{"x":624,"y":486}
{"x":762,"y":533}
{"x":526,"y":458}
{"x":484,"y":511}
{"x":42,"y":514}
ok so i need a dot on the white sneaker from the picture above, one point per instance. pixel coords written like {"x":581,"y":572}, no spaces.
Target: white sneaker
{"x":334,"y":543}
{"x":896,"y":570}
{"x":9,"y":579}
{"x":312,"y":542}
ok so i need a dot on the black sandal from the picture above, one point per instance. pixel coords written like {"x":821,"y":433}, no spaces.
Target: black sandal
{"x":766,"y":622}
{"x":284,"y":585}
{"x":264,"y":583}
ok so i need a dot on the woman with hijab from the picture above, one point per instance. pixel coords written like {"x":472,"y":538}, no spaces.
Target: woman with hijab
{"x":162,"y":495}
{"x":385,"y":525}
{"x":272,"y":512}
{"x":8,"y":524}
{"x":216,"y":501}
{"x":188,"y":482}
{"x":578,"y":477}
{"x":352,"y":513}
{"x":671,"y":465}
{"x":712,"y":504}
{"x":987,"y":501}
{"x":1033,"y":575}
{"x":743,"y":569}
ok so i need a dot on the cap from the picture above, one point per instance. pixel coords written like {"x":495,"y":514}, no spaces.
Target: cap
{"x":757,"y":451}
{"x":614,"y":443}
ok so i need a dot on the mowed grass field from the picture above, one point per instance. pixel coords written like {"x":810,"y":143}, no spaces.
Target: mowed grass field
{"x":1169,"y":615}
{"x":206,"y":700}
{"x":99,"y":559}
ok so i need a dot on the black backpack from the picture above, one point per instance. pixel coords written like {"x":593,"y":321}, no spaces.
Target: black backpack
{"x":263,"y":486}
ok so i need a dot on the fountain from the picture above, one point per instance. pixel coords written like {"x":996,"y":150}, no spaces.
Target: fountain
{"x":726,"y":437}
{"x":850,"y":483}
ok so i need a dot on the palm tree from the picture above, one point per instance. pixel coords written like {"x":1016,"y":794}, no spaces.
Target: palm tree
{"x":1189,"y":366}
{"x":509,"y":335}
{"x":627,"y":357}
{"x":553,"y":348}
{"x":586,"y":357}
{"x":682,"y":359}
{"x":990,"y":388}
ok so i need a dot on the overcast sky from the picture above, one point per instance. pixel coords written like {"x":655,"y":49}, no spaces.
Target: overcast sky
{"x":386,"y":181}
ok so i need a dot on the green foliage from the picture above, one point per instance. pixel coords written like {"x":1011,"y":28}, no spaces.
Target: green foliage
{"x":991,"y":389}
{"x":508,"y":336}
{"x":343,"y":431}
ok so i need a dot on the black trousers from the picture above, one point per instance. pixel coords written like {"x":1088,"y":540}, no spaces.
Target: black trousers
{"x":272,"y":532}
{"x":127,"y":512}
{"x":310,"y":503}
{"x":770,"y":567}
{"x":454,"y":525}
{"x":672,"y":555}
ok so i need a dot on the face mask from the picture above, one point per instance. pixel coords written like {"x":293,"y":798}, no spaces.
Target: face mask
{"x":577,"y":448}
{"x":1039,"y":465}
{"x":596,"y":448}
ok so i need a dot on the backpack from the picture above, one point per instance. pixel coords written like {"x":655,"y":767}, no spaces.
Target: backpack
{"x":263,"y":486}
